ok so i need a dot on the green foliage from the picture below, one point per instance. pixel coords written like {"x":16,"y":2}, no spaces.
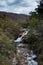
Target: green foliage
{"x":33,"y":22}
{"x":35,"y":36}
{"x":24,"y":24}
{"x":40,"y":8}
{"x":8,"y":31}
{"x":3,"y":60}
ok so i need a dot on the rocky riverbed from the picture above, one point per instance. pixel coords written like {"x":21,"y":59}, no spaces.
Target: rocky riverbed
{"x":25,"y":56}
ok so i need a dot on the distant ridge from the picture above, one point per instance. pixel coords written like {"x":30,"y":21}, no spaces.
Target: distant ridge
{"x":14,"y":16}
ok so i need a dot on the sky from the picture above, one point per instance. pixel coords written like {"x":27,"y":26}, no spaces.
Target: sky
{"x":18,"y":6}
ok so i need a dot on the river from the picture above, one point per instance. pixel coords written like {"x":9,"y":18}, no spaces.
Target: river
{"x":26,"y":56}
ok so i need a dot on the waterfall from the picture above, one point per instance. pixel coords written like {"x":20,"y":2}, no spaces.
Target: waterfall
{"x":30,"y":56}
{"x":19,"y":39}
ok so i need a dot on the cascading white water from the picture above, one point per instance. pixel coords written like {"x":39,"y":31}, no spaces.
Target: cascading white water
{"x":30,"y":58}
{"x":19,"y":39}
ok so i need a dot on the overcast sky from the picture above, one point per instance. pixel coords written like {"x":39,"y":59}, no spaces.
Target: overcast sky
{"x":18,"y":6}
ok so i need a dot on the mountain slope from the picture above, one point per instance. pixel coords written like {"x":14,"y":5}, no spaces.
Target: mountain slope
{"x":14,"y":16}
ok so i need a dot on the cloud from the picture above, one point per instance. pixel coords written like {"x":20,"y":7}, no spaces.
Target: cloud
{"x":2,"y":3}
{"x":18,"y":6}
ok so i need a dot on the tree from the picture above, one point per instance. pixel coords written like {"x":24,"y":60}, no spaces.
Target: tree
{"x":40,"y":9}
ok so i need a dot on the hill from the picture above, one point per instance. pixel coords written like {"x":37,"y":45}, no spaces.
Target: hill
{"x":14,"y":16}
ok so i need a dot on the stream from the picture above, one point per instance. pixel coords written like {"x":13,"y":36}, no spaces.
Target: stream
{"x":26,"y":57}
